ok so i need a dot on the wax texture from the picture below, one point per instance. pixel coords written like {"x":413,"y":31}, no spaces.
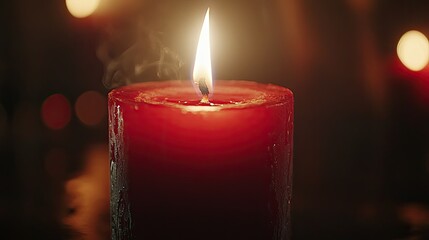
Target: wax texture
{"x":184,"y":170}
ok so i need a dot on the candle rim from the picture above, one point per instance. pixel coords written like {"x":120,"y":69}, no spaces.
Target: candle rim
{"x":271,"y":95}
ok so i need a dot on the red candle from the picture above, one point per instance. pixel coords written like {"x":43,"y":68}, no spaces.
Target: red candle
{"x":185,"y":170}
{"x":215,"y":166}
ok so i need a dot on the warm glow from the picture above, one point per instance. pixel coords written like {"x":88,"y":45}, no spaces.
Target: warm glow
{"x":203,"y":69}
{"x":82,"y":8}
{"x":413,"y":50}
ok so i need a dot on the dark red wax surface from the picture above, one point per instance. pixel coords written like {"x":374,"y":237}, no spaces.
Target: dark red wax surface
{"x":204,"y":172}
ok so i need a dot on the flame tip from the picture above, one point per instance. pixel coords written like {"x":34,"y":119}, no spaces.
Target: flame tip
{"x":202,"y":73}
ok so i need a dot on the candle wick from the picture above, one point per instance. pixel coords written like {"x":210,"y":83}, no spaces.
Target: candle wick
{"x":202,"y":85}
{"x":205,"y":99}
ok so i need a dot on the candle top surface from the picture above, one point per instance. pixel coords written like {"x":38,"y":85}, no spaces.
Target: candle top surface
{"x":228,"y":94}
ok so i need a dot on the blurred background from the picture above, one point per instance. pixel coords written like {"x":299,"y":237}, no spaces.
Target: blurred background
{"x":360,"y":79}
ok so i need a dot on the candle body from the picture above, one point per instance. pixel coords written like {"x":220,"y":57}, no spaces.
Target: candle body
{"x":184,"y":171}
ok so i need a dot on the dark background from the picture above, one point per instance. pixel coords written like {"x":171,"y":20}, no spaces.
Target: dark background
{"x":361,"y":165}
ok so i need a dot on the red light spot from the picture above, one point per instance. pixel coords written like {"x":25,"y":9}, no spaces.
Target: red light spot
{"x":56,"y":111}
{"x":91,"y":108}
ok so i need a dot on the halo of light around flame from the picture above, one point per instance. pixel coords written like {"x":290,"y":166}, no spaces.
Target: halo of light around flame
{"x":82,"y":8}
{"x":203,"y":66}
{"x":413,"y":50}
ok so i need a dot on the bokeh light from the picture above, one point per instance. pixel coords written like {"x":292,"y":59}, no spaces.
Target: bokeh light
{"x":90,"y":108}
{"x":413,"y":50}
{"x":56,"y":112}
{"x":88,"y":196}
{"x":82,"y":8}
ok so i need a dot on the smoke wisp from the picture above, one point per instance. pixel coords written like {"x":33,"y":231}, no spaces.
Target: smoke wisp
{"x":132,"y":53}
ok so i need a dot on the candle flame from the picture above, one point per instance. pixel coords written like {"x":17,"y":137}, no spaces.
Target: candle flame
{"x":202,"y":74}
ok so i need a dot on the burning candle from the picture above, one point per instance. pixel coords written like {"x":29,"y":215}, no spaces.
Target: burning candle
{"x":213,"y":165}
